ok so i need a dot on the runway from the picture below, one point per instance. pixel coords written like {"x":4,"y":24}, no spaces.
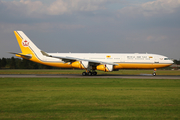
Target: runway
{"x":142,"y":76}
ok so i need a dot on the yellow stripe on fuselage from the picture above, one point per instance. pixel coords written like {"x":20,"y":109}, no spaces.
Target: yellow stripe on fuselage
{"x":54,"y":64}
{"x":140,"y":65}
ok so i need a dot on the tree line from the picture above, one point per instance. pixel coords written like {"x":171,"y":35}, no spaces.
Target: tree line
{"x":19,"y":63}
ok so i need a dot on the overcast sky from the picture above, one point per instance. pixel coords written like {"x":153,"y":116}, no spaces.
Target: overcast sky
{"x":93,"y":26}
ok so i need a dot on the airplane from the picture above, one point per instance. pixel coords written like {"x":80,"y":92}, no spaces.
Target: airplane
{"x":90,"y":62}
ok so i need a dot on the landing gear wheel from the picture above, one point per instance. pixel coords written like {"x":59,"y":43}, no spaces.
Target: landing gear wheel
{"x":84,"y":73}
{"x":94,"y":73}
{"x":89,"y":73}
{"x":154,"y":74}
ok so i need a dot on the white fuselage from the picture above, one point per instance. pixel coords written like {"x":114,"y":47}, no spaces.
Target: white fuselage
{"x":116,"y":57}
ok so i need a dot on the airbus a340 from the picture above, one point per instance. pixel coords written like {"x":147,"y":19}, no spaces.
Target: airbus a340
{"x":90,"y":62}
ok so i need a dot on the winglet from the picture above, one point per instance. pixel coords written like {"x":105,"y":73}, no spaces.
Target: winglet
{"x":45,"y":54}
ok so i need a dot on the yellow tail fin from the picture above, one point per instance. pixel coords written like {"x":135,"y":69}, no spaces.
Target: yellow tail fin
{"x":27,"y":47}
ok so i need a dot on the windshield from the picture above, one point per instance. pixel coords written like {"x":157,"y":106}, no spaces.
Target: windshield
{"x":166,"y":58}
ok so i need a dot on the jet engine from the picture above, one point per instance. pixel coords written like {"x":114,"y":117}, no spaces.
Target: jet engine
{"x":106,"y":68}
{"x":80,"y":64}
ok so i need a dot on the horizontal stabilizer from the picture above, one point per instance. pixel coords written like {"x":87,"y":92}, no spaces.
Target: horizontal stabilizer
{"x":28,"y":56}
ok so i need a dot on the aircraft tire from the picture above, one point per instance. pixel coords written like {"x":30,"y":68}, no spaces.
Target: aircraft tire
{"x":84,"y":73}
{"x":154,"y":74}
{"x":94,"y":73}
{"x":89,"y":73}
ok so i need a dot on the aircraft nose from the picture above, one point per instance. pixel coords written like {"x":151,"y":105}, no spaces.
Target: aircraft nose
{"x":171,"y":61}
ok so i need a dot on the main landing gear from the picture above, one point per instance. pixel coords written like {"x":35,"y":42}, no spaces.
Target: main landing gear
{"x":154,"y":73}
{"x":89,"y":73}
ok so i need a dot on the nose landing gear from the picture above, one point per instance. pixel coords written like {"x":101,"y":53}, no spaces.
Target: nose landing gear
{"x":154,"y":73}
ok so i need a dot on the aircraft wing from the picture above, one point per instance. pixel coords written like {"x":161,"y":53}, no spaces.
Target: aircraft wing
{"x":79,"y":59}
{"x":73,"y":59}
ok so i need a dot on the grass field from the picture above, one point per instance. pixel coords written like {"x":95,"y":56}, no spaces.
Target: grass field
{"x":86,"y":98}
{"x":70,"y":71}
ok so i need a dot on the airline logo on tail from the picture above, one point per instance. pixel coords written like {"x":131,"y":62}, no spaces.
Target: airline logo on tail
{"x":25,"y":43}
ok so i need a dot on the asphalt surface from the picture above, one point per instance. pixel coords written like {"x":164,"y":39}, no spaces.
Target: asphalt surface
{"x":142,"y":76}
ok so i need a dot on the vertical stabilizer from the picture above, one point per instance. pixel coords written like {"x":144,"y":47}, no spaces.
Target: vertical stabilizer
{"x":26,"y":45}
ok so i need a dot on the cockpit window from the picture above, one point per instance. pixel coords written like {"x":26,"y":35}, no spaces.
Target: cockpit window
{"x":166,"y":58}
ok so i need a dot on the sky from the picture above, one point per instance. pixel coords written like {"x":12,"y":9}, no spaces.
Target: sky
{"x":93,"y":26}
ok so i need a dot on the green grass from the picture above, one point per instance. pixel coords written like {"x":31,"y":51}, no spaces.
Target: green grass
{"x":84,"y":99}
{"x":70,"y":71}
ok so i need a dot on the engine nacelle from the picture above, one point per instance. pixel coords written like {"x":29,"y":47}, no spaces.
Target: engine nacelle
{"x":80,"y":64}
{"x":106,"y":68}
